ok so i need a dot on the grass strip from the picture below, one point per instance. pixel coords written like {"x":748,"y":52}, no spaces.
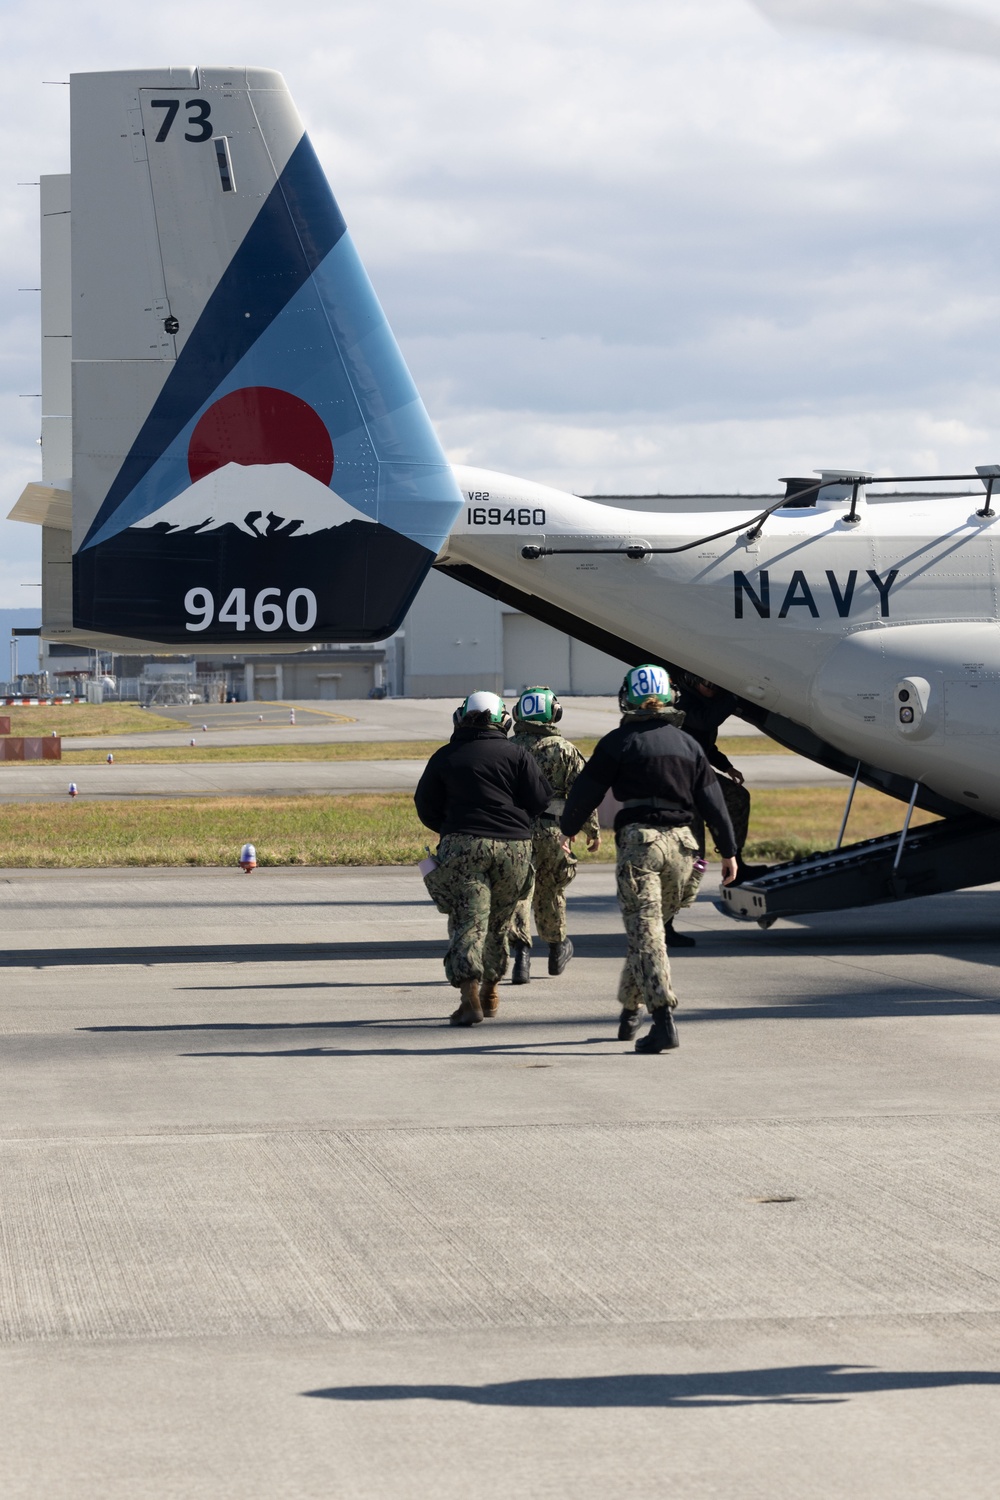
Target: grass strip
{"x":738,"y":746}
{"x":87,"y":718}
{"x":358,"y":829}
{"x":788,"y":821}
{"x":205,"y":752}
{"x":354,"y":830}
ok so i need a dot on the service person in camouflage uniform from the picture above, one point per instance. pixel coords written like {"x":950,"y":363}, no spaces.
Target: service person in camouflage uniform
{"x":662,"y":779}
{"x":536,"y":716}
{"x":480,"y":792}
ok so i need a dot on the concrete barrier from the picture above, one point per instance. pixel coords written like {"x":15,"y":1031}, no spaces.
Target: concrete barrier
{"x":31,"y":747}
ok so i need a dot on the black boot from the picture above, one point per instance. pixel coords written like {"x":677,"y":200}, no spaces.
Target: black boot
{"x":662,"y":1035}
{"x":628,"y":1025}
{"x":677,"y":939}
{"x":521,"y":972}
{"x":559,"y":955}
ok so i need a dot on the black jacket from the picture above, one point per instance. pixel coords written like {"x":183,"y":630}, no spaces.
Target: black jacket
{"x":481,"y":783}
{"x":648,"y":757}
{"x":702,"y":720}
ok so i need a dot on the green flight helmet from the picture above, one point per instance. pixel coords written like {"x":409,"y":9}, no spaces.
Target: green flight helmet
{"x":537,"y":705}
{"x":647,"y":686}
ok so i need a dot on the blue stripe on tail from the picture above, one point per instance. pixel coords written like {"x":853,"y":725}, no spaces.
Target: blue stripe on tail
{"x":297,"y":227}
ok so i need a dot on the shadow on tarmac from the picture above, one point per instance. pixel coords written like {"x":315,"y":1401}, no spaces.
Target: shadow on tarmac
{"x":890,"y":1005}
{"x":271,"y":1025}
{"x":501,"y":1049}
{"x":506,"y":1044}
{"x":98,"y":903}
{"x":311,"y":984}
{"x":787,"y":1385}
{"x":735,"y":944}
{"x":221,"y":953}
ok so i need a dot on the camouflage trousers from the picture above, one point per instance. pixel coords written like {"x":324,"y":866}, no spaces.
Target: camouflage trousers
{"x":477,"y":884}
{"x":553,"y":869}
{"x":655,"y":877}
{"x":737,"y":800}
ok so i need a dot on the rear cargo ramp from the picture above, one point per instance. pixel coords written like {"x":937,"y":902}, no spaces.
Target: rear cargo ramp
{"x":943,"y":856}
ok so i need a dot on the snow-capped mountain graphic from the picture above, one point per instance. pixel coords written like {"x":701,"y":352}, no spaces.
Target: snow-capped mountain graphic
{"x":262,"y":500}
{"x":249,"y":528}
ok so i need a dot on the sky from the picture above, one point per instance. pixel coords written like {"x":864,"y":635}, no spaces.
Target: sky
{"x":632,"y":247}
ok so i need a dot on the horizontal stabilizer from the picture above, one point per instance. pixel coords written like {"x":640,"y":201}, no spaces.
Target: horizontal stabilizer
{"x":44,"y":505}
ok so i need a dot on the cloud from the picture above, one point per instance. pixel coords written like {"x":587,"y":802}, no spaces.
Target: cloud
{"x":655,"y":245}
{"x":938,"y":26}
{"x":601,"y":453}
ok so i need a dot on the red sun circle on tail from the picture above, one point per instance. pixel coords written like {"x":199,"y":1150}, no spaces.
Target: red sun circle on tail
{"x":261,"y":425}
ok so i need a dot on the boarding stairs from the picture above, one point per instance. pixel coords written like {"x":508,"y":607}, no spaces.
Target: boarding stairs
{"x":943,"y":856}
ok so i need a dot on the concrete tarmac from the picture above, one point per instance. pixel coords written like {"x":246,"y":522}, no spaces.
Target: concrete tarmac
{"x":48,"y":780}
{"x":341,"y":720}
{"x":269,"y":1229}
{"x":324,"y":722}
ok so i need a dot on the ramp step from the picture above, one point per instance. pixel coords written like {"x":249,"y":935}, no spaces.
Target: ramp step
{"x":942,"y":856}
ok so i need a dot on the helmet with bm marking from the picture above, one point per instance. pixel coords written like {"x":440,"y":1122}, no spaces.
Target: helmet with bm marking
{"x":647,"y":687}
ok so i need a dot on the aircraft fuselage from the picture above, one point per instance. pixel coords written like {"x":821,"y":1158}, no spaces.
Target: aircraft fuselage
{"x":881,"y":636}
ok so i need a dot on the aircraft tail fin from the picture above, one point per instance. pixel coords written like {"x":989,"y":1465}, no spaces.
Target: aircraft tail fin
{"x":251,"y":460}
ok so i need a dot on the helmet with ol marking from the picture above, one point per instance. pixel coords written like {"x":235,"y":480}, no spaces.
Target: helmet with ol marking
{"x":537,"y":705}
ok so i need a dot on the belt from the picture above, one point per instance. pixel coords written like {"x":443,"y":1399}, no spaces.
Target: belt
{"x":661,"y":804}
{"x":554,"y":810}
